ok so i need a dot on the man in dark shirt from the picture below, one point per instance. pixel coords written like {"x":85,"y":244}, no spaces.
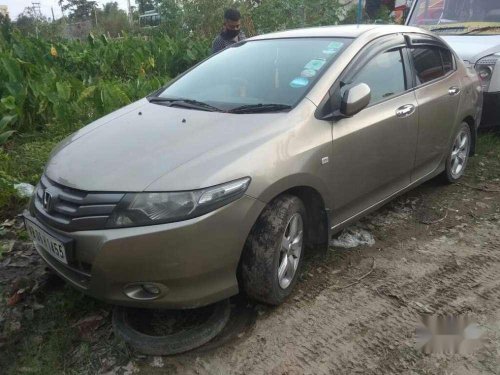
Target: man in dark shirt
{"x":231,"y":32}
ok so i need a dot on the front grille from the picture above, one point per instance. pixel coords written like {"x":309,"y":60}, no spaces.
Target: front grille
{"x":72,"y":210}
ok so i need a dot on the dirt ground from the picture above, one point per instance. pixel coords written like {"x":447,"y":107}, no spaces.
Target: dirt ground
{"x":436,"y":251}
{"x":449,"y":267}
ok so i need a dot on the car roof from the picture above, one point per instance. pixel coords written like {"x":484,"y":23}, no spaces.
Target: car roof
{"x":344,"y":31}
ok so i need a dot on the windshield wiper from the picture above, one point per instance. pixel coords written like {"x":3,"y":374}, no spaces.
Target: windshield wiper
{"x":256,"y":108}
{"x":484,"y":28}
{"x":182,"y":102}
{"x":449,"y":28}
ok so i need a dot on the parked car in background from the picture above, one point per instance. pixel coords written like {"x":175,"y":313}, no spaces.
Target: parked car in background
{"x":221,"y":180}
{"x":472,"y":29}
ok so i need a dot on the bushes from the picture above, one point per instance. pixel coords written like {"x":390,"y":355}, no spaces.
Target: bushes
{"x":70,"y":83}
{"x":49,"y":89}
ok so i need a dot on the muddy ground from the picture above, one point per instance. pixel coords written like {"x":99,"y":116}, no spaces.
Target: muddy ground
{"x":437,"y":251}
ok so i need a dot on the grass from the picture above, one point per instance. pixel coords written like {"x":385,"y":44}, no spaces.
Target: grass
{"x":489,"y":144}
{"x":51,"y":344}
{"x":486,"y":164}
{"x":23,"y":160}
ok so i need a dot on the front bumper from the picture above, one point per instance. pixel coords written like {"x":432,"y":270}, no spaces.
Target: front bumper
{"x":194,"y":261}
{"x":491,"y":111}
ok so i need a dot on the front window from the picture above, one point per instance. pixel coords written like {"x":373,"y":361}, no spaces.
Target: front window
{"x":384,"y":75}
{"x":258,"y":73}
{"x":457,"y":16}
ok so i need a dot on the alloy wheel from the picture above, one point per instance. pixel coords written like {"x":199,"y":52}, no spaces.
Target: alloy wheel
{"x":291,"y":250}
{"x":459,"y":154}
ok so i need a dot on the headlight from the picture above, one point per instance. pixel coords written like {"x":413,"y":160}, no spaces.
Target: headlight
{"x":484,"y":68}
{"x":138,"y":209}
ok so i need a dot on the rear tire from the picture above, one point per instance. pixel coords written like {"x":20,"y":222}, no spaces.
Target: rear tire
{"x":458,"y":156}
{"x":273,"y":252}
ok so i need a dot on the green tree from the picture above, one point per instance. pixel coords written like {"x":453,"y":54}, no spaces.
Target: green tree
{"x":372,"y":7}
{"x":145,"y":5}
{"x":4,"y":19}
{"x":5,"y":26}
{"x":29,"y":22}
{"x":379,"y":10}
{"x":112,"y":19}
{"x":272,"y":15}
{"x":79,"y":10}
{"x":172,"y":15}
{"x":204,"y":17}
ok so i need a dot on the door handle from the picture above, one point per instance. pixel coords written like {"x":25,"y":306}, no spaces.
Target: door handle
{"x":405,"y":111}
{"x":453,"y":90}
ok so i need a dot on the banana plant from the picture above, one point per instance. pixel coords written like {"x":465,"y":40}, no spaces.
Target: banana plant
{"x":4,"y":124}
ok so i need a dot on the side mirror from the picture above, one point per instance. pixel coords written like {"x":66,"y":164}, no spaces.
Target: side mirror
{"x":355,"y":99}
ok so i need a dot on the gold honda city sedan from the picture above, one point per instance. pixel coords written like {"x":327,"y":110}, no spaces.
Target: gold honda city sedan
{"x":221,"y":181}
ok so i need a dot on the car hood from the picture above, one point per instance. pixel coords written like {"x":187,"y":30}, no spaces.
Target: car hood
{"x":135,"y":148}
{"x":471,"y":48}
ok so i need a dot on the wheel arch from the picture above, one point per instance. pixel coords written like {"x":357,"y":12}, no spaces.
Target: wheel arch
{"x":469,"y":120}
{"x":316,"y":198}
{"x":317,"y":215}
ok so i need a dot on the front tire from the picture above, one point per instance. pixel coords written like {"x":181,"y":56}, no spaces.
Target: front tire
{"x":273,"y":252}
{"x":458,"y":156}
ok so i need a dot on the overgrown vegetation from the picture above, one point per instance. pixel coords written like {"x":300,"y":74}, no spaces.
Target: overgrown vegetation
{"x":69,"y":82}
{"x":50,"y":88}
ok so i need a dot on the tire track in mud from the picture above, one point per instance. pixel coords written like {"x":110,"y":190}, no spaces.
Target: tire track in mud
{"x":369,"y":327}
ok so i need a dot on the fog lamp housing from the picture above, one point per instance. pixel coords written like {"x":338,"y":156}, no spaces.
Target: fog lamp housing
{"x":145,"y":291}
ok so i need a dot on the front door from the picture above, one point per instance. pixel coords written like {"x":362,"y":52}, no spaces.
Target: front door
{"x":374,"y":151}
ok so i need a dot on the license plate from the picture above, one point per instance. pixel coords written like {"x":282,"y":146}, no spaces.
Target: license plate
{"x":50,"y":244}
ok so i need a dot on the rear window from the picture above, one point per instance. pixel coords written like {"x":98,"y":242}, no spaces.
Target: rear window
{"x":431,"y":63}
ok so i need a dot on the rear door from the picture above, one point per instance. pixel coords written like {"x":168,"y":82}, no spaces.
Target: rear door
{"x":374,"y":150}
{"x":437,"y":90}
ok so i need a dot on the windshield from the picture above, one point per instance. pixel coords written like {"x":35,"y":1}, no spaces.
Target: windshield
{"x":457,"y":16}
{"x":258,"y":73}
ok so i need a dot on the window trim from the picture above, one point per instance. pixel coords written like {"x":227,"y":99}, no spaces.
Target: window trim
{"x":427,"y":41}
{"x":317,"y":78}
{"x":373,"y":48}
{"x":453,"y":62}
{"x":406,"y":77}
